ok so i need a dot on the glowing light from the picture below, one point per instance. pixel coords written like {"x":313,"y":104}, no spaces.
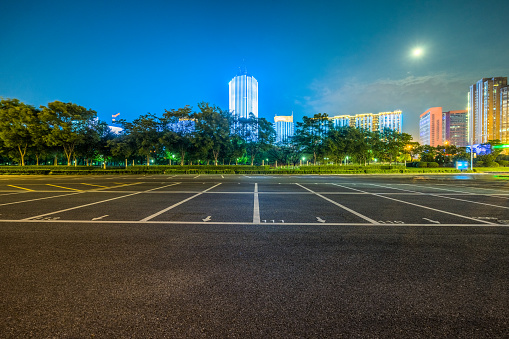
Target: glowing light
{"x":417,"y":52}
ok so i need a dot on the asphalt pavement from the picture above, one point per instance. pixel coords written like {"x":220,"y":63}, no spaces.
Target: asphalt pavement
{"x":254,"y":256}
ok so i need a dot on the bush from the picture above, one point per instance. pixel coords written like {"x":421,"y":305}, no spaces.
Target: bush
{"x":503,"y":162}
{"x":479,"y":163}
{"x":432,"y":164}
{"x":422,"y":164}
{"x":492,"y":164}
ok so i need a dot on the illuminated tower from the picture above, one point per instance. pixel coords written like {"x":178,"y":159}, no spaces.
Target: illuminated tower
{"x":484,"y":109}
{"x":244,"y":95}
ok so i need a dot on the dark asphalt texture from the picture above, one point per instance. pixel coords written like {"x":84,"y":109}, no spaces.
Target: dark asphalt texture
{"x":79,"y":279}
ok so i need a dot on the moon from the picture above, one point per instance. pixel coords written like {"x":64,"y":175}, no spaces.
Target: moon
{"x":417,"y":52}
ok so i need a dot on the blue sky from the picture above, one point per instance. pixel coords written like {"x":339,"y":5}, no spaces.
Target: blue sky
{"x":337,"y":57}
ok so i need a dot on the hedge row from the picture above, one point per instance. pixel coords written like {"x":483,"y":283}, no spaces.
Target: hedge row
{"x":247,"y":170}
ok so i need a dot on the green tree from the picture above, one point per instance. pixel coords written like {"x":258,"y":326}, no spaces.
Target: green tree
{"x":18,"y":123}
{"x":312,"y":133}
{"x":144,"y":134}
{"x":178,"y":131}
{"x":259,"y":137}
{"x":68,"y":123}
{"x":212,"y":132}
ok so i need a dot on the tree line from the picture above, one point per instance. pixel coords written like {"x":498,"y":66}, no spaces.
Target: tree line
{"x":208,"y":135}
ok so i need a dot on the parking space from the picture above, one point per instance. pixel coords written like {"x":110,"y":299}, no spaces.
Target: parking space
{"x":333,"y":200}
{"x":212,"y":207}
{"x":303,"y":208}
{"x":128,"y":208}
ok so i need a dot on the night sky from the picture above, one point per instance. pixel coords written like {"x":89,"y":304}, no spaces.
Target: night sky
{"x":335,"y":57}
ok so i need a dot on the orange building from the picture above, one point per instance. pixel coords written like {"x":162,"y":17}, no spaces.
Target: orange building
{"x":430,"y":127}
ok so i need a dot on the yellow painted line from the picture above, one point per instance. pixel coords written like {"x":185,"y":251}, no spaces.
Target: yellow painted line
{"x":28,"y":189}
{"x":93,"y":185}
{"x":67,"y":188}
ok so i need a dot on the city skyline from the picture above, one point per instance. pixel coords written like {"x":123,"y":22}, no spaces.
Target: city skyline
{"x":329,"y":57}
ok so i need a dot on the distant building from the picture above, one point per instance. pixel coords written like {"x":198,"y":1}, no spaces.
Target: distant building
{"x":341,"y":121}
{"x":430,"y":127}
{"x":438,"y":128}
{"x":365,"y":121}
{"x":455,"y":128}
{"x":390,"y":120}
{"x":243,"y":95}
{"x":369,"y":121}
{"x":284,"y":127}
{"x":504,"y":115}
{"x":484,"y":109}
{"x":183,"y":126}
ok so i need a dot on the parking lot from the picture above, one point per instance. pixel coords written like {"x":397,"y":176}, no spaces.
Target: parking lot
{"x":257,"y":200}
{"x":254,"y":256}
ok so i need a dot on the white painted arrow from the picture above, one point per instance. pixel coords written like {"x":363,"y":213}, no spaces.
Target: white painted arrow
{"x":206,"y":219}
{"x":319,"y":219}
{"x":99,"y":218}
{"x":433,"y":221}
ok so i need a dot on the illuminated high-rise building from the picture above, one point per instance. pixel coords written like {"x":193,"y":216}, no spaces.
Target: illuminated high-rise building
{"x":244,"y":95}
{"x":455,"y":128}
{"x":369,"y":121}
{"x":284,"y":127}
{"x":504,"y":115}
{"x":439,"y":128}
{"x":390,"y":120}
{"x":430,"y":127}
{"x":484,"y":109}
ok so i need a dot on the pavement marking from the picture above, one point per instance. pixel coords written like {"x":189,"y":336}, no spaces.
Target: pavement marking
{"x":99,"y":218}
{"x":92,"y":185}
{"x":13,"y":193}
{"x":55,"y":196}
{"x":445,"y":197}
{"x":433,"y":221}
{"x":177,"y":204}
{"x":67,"y":188}
{"x":222,"y":176}
{"x":27,"y":189}
{"x":410,"y":203}
{"x":377,"y":224}
{"x":338,"y":204}
{"x":207,"y":218}
{"x":95,"y":203}
{"x":256,"y":206}
{"x":319,"y":219}
{"x":197,"y":176}
{"x":495,"y":195}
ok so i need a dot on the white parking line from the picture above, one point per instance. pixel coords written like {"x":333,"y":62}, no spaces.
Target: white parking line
{"x":445,"y":197}
{"x":256,"y":207}
{"x":245,"y":223}
{"x":498,"y":195}
{"x":177,"y":204}
{"x":409,"y":203}
{"x":96,"y":202}
{"x":338,"y":204}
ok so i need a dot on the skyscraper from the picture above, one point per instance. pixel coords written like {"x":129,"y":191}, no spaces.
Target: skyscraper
{"x":438,"y":128}
{"x":484,"y":109}
{"x":284,"y":127}
{"x":504,"y":114}
{"x":244,"y":95}
{"x":455,"y":128}
{"x":430,"y":127}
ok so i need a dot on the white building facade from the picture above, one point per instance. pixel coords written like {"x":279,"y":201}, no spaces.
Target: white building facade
{"x":243,"y":95}
{"x":284,"y":127}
